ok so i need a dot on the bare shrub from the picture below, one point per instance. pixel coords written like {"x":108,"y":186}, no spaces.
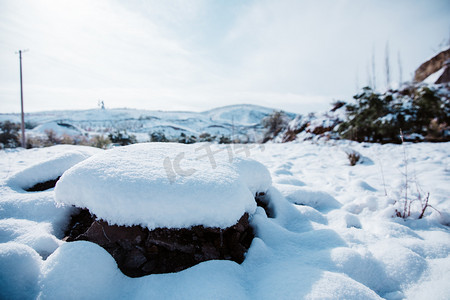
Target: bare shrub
{"x":353,"y":157}
{"x":409,"y":195}
{"x":100,"y":141}
{"x":67,"y":139}
{"x":274,"y":124}
{"x":35,"y":142}
{"x":52,"y":137}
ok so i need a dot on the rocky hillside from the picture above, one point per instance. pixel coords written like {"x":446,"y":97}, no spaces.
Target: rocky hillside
{"x":435,"y":70}
{"x":420,"y":111}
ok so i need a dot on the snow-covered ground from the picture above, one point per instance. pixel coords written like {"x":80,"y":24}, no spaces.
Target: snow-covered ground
{"x":332,"y":233}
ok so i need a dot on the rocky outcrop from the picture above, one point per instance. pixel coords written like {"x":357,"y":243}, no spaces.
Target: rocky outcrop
{"x":433,"y":65}
{"x":139,"y":251}
{"x":445,"y":76}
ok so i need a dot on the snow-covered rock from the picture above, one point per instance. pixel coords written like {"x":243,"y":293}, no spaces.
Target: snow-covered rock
{"x":46,"y":170}
{"x":161,"y":185}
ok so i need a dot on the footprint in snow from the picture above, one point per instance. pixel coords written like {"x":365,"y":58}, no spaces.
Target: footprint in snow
{"x":362,"y":185}
{"x":319,"y":200}
{"x":283,"y":172}
{"x":289,"y":180}
{"x":352,"y":221}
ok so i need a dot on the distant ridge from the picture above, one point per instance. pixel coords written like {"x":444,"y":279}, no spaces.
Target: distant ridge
{"x":239,"y":120}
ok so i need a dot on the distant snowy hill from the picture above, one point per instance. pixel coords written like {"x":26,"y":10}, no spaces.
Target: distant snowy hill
{"x":239,"y":121}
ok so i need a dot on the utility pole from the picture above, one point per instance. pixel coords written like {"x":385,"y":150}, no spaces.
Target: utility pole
{"x":22,"y":126}
{"x":232,"y":129}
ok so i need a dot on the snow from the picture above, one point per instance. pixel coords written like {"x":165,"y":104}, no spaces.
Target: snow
{"x":387,"y":118}
{"x":313,"y":126}
{"x":245,"y":114}
{"x":167,"y":185}
{"x":46,"y":170}
{"x":38,"y":236}
{"x":20,"y":267}
{"x":305,"y":196}
{"x":59,"y":128}
{"x":333,"y":233}
{"x":432,"y":78}
{"x":79,"y":262}
{"x":21,"y":171}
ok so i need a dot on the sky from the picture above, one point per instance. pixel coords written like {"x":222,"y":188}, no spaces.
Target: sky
{"x":297,"y":56}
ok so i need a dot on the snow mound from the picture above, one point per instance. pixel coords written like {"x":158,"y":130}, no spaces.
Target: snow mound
{"x":80,"y":263}
{"x":319,"y":200}
{"x":339,"y":286}
{"x":36,"y":235}
{"x":31,"y":167}
{"x":242,"y":114}
{"x":47,"y":170}
{"x":161,"y":185}
{"x":20,"y":267}
{"x":58,"y":128}
{"x":361,"y":266}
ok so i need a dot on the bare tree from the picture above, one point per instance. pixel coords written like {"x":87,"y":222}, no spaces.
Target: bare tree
{"x":400,"y":69}
{"x":387,"y":67}
{"x":369,"y":77}
{"x":374,"y":78}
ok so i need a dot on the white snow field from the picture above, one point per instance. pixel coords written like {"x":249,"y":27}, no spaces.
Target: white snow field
{"x":331,"y":234}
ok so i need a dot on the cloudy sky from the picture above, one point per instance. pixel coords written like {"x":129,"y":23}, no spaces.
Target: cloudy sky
{"x":198,"y":54}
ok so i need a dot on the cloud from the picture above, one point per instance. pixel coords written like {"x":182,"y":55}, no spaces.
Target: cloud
{"x":200,"y":54}
{"x":317,"y":47}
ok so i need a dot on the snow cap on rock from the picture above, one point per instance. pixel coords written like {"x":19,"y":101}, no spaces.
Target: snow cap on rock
{"x":163,"y":185}
{"x":46,"y":170}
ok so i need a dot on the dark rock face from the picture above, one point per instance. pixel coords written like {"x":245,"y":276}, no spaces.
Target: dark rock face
{"x":79,"y":224}
{"x":139,"y":251}
{"x":262,"y":200}
{"x":42,"y":186}
{"x":445,"y":77}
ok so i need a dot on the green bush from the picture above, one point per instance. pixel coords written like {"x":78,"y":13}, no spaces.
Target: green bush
{"x":206,"y":137}
{"x":122,"y":138}
{"x":158,"y":136}
{"x":224,"y":140}
{"x":184,"y":139}
{"x":375,"y":117}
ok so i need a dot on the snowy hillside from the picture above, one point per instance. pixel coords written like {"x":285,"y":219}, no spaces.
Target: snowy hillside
{"x":330,"y":230}
{"x":237,"y":120}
